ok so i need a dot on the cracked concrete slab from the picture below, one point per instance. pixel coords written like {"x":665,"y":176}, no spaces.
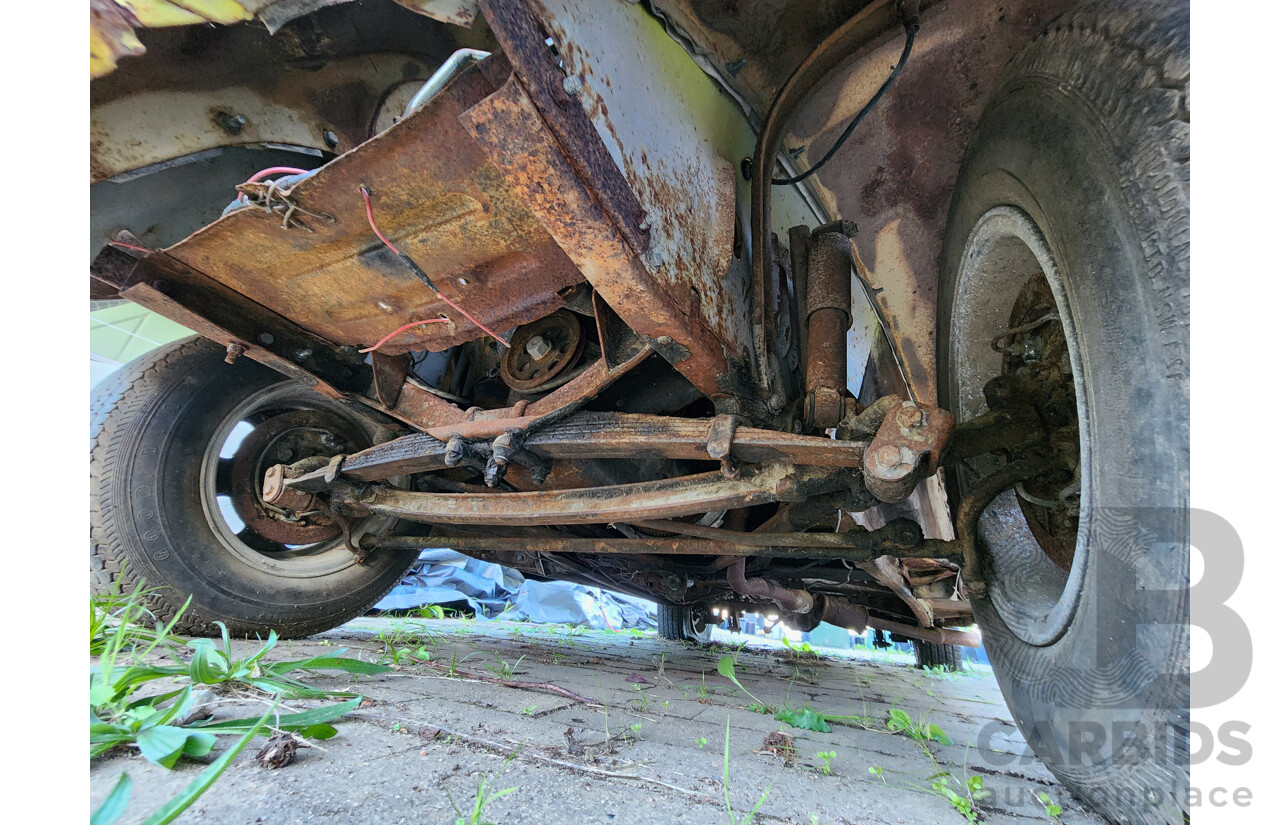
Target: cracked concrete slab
{"x":648,"y":745}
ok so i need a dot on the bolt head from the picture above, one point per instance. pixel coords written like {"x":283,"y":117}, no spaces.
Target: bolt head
{"x":910,"y":417}
{"x":886,"y":456}
{"x":572,"y":85}
{"x":537,"y":347}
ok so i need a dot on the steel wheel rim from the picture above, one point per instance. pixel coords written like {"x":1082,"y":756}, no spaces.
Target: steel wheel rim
{"x":322,"y":558}
{"x":1035,"y":598}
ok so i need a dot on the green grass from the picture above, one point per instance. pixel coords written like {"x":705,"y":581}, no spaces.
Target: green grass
{"x":750,"y":816}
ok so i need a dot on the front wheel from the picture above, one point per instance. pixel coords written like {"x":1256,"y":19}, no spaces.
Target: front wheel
{"x":1066,"y":283}
{"x":180,"y":442}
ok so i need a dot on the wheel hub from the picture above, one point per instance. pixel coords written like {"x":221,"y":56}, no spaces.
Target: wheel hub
{"x":542,"y":351}
{"x":286,"y":438}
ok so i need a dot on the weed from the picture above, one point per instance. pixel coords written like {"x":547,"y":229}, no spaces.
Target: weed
{"x":530,"y":710}
{"x":727,"y":668}
{"x":393,"y":652}
{"x":813,"y":819}
{"x":826,"y":757}
{"x":453,"y":663}
{"x":1051,"y":808}
{"x":702,"y":689}
{"x":430,"y":611}
{"x":804,"y":650}
{"x":502,"y":668}
{"x":967,"y":804}
{"x":923,"y":731}
{"x":483,"y":797}
{"x":642,"y":700}
{"x":213,"y":666}
{"x":877,"y":772}
{"x":152,"y":724}
{"x":701,"y":742}
{"x":767,"y":710}
{"x":751,"y":815}
{"x":804,"y":718}
{"x":636,"y":727}
{"x":113,"y":806}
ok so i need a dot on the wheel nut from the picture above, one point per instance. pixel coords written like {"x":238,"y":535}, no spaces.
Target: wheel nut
{"x":537,"y":348}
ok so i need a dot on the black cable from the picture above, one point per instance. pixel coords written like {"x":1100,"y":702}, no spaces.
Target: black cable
{"x":853,"y":124}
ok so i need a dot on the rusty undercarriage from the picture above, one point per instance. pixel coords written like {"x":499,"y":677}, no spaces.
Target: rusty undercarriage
{"x":871,"y":312}
{"x":655,"y":414}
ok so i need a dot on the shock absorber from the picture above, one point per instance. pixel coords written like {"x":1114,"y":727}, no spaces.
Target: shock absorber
{"x":827,"y":308}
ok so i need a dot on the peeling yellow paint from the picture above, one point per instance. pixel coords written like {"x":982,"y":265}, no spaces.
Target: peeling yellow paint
{"x":112,"y":24}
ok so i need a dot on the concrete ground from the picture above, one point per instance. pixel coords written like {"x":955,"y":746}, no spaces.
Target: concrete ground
{"x":424,"y":737}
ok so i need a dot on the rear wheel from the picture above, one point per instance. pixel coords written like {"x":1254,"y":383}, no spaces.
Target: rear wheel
{"x":933,"y":654}
{"x":1066,"y":277}
{"x":180,"y":442}
{"x":684,"y":623}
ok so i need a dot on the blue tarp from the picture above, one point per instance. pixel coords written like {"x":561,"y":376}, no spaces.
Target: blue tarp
{"x":446,"y":577}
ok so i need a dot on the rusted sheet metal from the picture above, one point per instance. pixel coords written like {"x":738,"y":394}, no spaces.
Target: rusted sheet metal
{"x":182,"y":294}
{"x":666,"y":498}
{"x":895,"y":175}
{"x":635,"y":86}
{"x":523,"y":38}
{"x":389,"y":373}
{"x":506,"y":125}
{"x":607,"y":435}
{"x":338,"y":73}
{"x":886,"y":571}
{"x":450,"y":211}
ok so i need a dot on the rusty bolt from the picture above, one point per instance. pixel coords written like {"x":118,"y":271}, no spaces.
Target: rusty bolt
{"x":502,"y":449}
{"x":537,"y":347}
{"x":572,"y":85}
{"x":234,"y":351}
{"x":453,"y":452}
{"x":231,"y":124}
{"x":886,"y":456}
{"x":910,"y":416}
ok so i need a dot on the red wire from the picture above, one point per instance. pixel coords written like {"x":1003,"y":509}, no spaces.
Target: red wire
{"x":368,"y":209}
{"x":270,"y":170}
{"x":130,"y":246}
{"x":292,"y":170}
{"x":402,"y":329}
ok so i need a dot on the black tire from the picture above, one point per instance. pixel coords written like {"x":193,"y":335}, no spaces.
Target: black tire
{"x":152,"y":424}
{"x":1083,"y":156}
{"x":933,"y":654}
{"x":682,"y":623}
